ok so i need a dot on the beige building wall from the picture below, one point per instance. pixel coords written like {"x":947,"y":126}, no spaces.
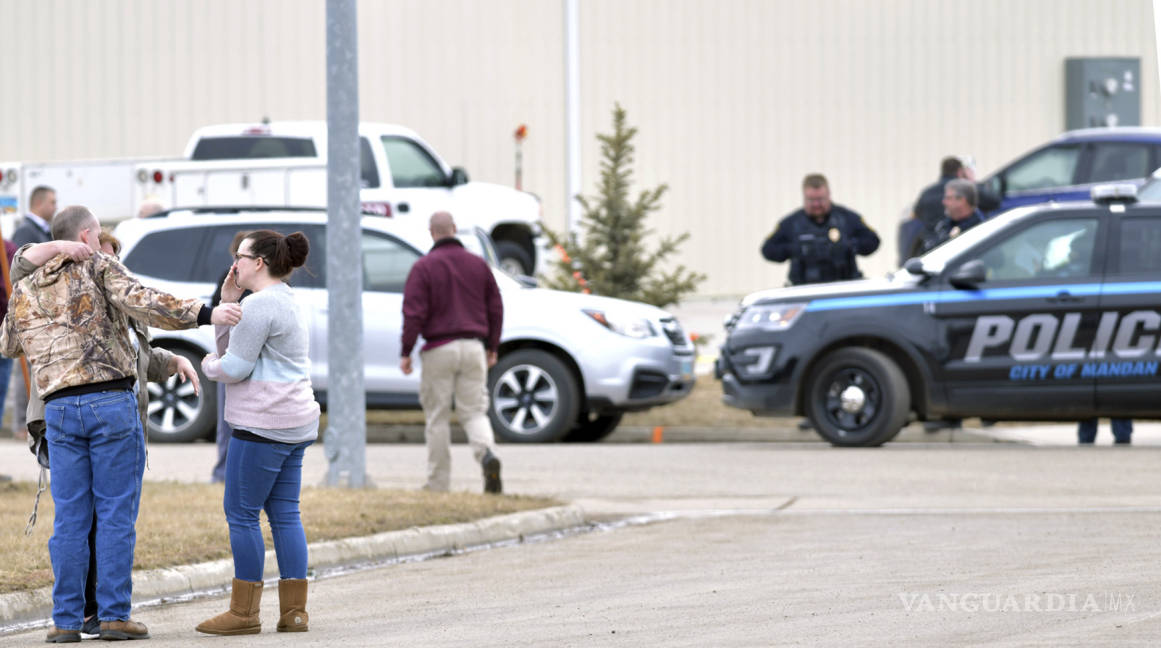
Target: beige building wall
{"x":735,"y":100}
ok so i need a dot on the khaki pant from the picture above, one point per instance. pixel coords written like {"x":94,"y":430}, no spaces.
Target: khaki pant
{"x":454,"y":370}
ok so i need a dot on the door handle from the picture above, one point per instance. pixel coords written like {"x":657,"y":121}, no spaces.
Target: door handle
{"x":1064,"y":297}
{"x":403,"y":207}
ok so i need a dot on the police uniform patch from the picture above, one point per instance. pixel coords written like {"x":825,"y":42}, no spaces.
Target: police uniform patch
{"x":834,"y":235}
{"x":954,"y":232}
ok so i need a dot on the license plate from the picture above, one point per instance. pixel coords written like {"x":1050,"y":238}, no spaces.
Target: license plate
{"x":687,"y":368}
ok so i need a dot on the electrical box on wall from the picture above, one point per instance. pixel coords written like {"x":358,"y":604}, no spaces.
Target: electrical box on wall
{"x":1102,"y":92}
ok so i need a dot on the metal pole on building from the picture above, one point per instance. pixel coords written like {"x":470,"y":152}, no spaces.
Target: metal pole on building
{"x":572,"y":109}
{"x":1156,"y":41}
{"x":345,"y":440}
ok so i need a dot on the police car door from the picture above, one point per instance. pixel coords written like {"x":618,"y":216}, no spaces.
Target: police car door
{"x":1013,"y":344}
{"x":1124,"y":357}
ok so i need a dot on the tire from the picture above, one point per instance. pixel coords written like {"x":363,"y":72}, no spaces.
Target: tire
{"x":590,"y":429}
{"x":176,"y":414}
{"x":858,"y":398}
{"x":514,"y":259}
{"x":534,"y":397}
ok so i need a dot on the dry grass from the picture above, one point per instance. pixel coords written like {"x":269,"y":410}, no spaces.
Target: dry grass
{"x":183,"y":523}
{"x":703,"y":408}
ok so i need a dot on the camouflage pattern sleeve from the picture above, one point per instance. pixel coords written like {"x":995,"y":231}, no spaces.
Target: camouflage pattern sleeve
{"x":9,"y":340}
{"x":153,"y":307}
{"x":21,"y":267}
{"x":158,"y":364}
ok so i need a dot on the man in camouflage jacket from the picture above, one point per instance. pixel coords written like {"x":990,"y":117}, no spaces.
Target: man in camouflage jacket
{"x":70,"y":319}
{"x":154,"y":364}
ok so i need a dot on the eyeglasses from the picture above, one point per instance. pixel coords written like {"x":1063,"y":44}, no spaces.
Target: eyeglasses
{"x":238,"y":256}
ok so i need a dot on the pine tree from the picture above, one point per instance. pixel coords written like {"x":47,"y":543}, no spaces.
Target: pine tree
{"x":611,"y":256}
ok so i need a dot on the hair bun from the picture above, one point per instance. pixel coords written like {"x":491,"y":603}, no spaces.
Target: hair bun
{"x":299,"y":248}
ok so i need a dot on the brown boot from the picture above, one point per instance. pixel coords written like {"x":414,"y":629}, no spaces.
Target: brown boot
{"x":242,"y":617}
{"x":292,"y":602}
{"x":121,"y":630}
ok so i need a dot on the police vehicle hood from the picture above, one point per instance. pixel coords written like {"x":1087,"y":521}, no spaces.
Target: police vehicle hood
{"x":900,"y":281}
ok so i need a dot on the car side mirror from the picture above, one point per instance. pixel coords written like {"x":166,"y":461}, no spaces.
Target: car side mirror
{"x":969,"y":275}
{"x":915,"y":266}
{"x":458,"y":177}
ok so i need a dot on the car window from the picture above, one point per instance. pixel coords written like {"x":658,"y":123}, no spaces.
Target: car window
{"x":1052,"y":167}
{"x":1119,"y":161}
{"x":368,"y":171}
{"x":236,"y":147}
{"x":1140,"y":242}
{"x":1048,"y":249}
{"x":386,"y":263}
{"x":166,"y":254}
{"x":411,"y":166}
{"x":216,"y":259}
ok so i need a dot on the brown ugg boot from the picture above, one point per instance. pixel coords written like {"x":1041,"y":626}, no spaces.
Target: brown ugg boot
{"x":292,"y":602}
{"x":242,"y":617}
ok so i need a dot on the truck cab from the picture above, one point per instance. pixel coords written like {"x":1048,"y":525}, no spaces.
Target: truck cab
{"x":401,"y":177}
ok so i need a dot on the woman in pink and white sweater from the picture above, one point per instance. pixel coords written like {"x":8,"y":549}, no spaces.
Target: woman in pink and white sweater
{"x":270,"y":405}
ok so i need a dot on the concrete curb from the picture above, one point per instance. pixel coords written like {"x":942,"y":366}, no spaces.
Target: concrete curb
{"x":23,"y":607}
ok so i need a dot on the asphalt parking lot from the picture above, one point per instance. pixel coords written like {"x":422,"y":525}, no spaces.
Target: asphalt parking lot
{"x":965,"y":541}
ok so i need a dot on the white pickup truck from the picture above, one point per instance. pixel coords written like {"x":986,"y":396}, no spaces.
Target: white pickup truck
{"x":284,"y":164}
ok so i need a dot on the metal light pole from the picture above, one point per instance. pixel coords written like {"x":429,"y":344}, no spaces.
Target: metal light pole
{"x":345,"y":440}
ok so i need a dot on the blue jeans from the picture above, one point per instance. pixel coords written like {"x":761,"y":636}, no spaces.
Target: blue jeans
{"x":1086,"y":430}
{"x":5,"y":374}
{"x":265,"y":476}
{"x":98,"y":456}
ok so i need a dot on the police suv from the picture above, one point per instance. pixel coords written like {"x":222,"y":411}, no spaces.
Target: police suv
{"x":1046,"y":312}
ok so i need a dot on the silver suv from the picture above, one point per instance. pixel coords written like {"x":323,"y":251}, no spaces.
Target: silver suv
{"x":570,"y":364}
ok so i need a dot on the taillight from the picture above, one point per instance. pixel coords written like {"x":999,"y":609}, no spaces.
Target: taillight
{"x":377,"y":208}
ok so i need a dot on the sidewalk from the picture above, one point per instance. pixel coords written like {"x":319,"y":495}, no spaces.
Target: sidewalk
{"x":30,"y":608}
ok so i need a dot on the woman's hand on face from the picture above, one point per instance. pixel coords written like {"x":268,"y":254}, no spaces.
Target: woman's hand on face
{"x":231,"y":292}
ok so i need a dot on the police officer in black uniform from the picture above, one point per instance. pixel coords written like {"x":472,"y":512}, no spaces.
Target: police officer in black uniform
{"x":821,"y":239}
{"x":961,"y":212}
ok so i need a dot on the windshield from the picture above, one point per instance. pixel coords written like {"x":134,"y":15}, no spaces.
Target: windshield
{"x":242,"y":147}
{"x":937,"y":258}
{"x":478,"y":244}
{"x":1150,"y":192}
{"x":505,"y":281}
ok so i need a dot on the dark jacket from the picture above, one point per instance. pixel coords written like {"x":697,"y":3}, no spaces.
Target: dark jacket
{"x":29,"y":232}
{"x":451,"y":294}
{"x":821,"y":251}
{"x":949,"y":228}
{"x":929,"y":204}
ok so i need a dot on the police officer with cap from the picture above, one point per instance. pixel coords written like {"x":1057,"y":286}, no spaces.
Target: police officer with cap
{"x":961,"y":212}
{"x":821,"y":239}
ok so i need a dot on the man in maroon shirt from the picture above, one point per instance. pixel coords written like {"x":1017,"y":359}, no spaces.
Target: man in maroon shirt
{"x":452,"y":299}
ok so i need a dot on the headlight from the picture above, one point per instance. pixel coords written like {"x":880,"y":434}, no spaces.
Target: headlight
{"x":770,"y":317}
{"x":634,"y":327}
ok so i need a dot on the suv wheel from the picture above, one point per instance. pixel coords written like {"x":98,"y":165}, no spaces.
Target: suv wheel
{"x":176,"y":414}
{"x":534,"y":397}
{"x":590,"y":428}
{"x":858,"y":397}
{"x":514,"y":259}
